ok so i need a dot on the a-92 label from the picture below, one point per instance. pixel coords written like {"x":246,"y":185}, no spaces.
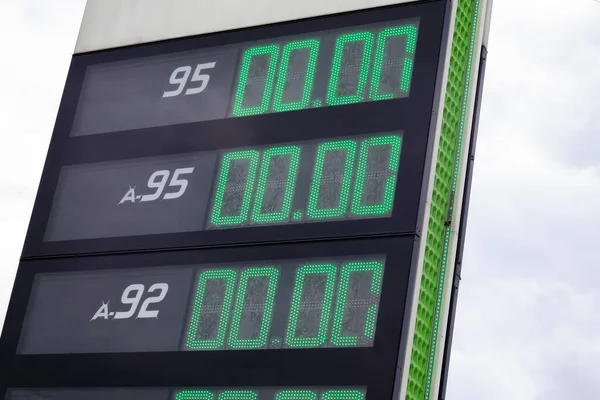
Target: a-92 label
{"x":107,"y":311}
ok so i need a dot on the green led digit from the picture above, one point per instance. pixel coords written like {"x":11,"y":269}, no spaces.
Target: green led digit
{"x":343,"y":394}
{"x":376,"y":268}
{"x":263,"y":182}
{"x":245,"y":299}
{"x":238,"y":395}
{"x":272,"y":51}
{"x":296,"y":394}
{"x":228,"y":173}
{"x":302,"y":297}
{"x":394,"y":143}
{"x":410,"y":32}
{"x":322,"y":180}
{"x":333,"y":98}
{"x":313,"y":47}
{"x":194,"y":395}
{"x":202,"y":307}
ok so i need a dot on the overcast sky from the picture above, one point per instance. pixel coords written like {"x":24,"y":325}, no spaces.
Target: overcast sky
{"x":528,"y":324}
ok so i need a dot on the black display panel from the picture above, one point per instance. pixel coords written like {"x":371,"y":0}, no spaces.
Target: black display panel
{"x":231,"y":393}
{"x":278,"y":304}
{"x":317,"y":314}
{"x":318,"y":69}
{"x":87,"y":299}
{"x":90,"y":394}
{"x":278,"y":175}
{"x":291,"y":183}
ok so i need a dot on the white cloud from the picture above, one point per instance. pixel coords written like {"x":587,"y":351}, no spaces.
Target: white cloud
{"x":513,"y":335}
{"x":529,"y":308}
{"x":543,"y":75}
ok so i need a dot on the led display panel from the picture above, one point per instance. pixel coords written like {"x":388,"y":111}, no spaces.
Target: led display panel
{"x":319,"y":69}
{"x":284,"y":304}
{"x":232,"y":216}
{"x":293,"y":183}
{"x":286,"y":316}
{"x":234,"y":393}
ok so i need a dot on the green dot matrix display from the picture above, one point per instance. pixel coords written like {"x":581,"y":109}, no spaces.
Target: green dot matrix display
{"x":193,"y":393}
{"x":271,"y":394}
{"x":328,"y":69}
{"x":216,"y":287}
{"x":337,"y":179}
{"x":289,"y":304}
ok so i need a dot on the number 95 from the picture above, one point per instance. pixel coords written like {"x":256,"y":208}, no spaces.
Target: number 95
{"x":180,"y":77}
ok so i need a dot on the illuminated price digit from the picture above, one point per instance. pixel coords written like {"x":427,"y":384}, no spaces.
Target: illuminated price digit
{"x":194,"y":395}
{"x":246,"y":82}
{"x":235,"y":187}
{"x":347,"y":50}
{"x":233,"y":394}
{"x":326,"y":200}
{"x":368,"y":197}
{"x":180,"y":78}
{"x":296,"y":394}
{"x":313,"y":290}
{"x":343,"y":394}
{"x":375,"y":269}
{"x":271,"y":156}
{"x":246,"y":301}
{"x":312,"y":46}
{"x":407,"y":32}
{"x":211,"y":308}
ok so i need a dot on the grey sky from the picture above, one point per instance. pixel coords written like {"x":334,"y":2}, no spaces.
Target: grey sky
{"x":528,"y":320}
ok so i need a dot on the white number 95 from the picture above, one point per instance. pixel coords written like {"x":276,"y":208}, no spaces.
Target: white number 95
{"x":180,"y":77}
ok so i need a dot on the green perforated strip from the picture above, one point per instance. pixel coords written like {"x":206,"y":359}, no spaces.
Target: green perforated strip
{"x":446,"y":175}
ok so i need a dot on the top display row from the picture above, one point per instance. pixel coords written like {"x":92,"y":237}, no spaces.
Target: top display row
{"x":319,"y":69}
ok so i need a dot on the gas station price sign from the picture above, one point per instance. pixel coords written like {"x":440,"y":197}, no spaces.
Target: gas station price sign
{"x":238,"y":215}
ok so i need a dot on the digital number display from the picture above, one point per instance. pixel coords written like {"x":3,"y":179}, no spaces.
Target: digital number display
{"x":237,"y":393}
{"x":332,"y":304}
{"x":294,"y":304}
{"x":312,"y":70}
{"x":326,"y":180}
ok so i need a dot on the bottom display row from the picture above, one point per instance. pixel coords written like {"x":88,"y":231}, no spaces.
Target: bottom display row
{"x":238,"y":393}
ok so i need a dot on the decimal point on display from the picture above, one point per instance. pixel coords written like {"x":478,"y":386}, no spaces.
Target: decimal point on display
{"x":297,"y":215}
{"x":317,"y":103}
